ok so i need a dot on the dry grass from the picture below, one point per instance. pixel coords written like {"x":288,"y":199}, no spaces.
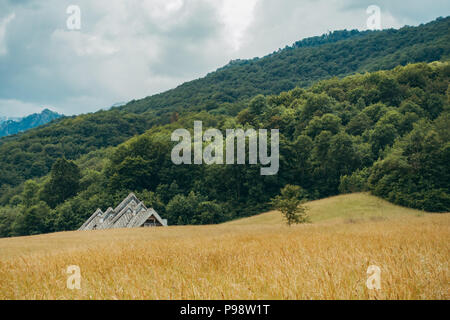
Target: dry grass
{"x":263,"y":259}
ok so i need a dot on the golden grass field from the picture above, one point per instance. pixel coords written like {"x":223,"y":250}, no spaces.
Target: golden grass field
{"x":253,"y":258}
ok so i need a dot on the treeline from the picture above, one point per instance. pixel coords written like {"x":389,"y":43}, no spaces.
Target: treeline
{"x":225,"y":92}
{"x":387,"y":132}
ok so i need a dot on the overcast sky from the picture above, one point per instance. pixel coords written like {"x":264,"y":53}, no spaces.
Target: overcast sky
{"x":129,"y":49}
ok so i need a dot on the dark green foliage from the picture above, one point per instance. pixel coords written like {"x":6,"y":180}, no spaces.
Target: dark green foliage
{"x":359,"y":124}
{"x":194,"y":209}
{"x":416,"y":172}
{"x":35,"y":220}
{"x":356,"y":182}
{"x":140,"y":165}
{"x":32,"y":154}
{"x":30,"y":194}
{"x":64,"y":183}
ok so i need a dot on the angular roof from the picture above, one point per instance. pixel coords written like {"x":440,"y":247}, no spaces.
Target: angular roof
{"x":91,"y":218}
{"x":130,"y":213}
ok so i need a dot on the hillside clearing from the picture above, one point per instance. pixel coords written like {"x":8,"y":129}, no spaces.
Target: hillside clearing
{"x":345,"y":208}
{"x":243,"y":260}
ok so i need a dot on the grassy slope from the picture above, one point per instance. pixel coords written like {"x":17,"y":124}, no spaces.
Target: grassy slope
{"x":258,"y":259}
{"x":347,"y":208}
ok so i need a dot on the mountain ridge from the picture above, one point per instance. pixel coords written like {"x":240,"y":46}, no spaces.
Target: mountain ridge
{"x":17,"y":125}
{"x":312,"y":55}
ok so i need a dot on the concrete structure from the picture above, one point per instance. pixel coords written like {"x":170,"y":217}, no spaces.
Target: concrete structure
{"x":131,"y":213}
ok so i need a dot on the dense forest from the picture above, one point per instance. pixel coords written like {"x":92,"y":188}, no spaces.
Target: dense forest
{"x":223,"y":93}
{"x":387,"y":132}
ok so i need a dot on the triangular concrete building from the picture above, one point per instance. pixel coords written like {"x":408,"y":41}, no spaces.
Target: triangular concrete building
{"x":130,"y":213}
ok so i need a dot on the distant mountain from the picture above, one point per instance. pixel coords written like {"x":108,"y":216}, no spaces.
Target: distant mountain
{"x":9,"y":126}
{"x":4,"y":119}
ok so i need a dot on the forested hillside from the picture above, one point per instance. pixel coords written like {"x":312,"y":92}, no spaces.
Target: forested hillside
{"x":337,"y":54}
{"x":222,"y":93}
{"x":387,"y":132}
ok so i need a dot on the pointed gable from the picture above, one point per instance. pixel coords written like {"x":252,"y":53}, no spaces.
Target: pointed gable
{"x":89,"y":221}
{"x":130,"y":213}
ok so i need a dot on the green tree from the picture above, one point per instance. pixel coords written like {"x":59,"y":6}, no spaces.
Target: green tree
{"x":328,"y":122}
{"x":182,"y":209}
{"x":356,"y":182}
{"x":257,"y":105}
{"x":30,"y":194}
{"x":34,"y":220}
{"x":359,"y":124}
{"x":7,"y":217}
{"x":64,"y":183}
{"x":194,"y":209}
{"x":290,"y":203}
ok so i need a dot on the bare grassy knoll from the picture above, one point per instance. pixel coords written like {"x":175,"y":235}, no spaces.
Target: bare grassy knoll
{"x":252,"y":258}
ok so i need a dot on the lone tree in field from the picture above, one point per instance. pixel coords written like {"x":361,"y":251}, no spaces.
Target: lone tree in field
{"x":290,"y":203}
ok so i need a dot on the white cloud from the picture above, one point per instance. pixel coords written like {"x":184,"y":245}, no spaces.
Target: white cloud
{"x":19,"y":108}
{"x":3,"y":24}
{"x":84,"y":44}
{"x":237,"y":16}
{"x":161,"y":11}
